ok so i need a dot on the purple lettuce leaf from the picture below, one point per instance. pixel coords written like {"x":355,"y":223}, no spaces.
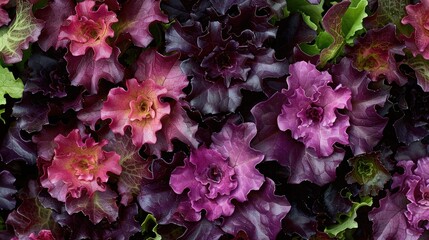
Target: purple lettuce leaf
{"x":48,"y":76}
{"x":280,"y":146}
{"x":164,"y":70}
{"x":184,"y":38}
{"x":32,"y":112}
{"x":135,"y":18}
{"x":7,"y":190}
{"x":315,"y":169}
{"x":389,"y":221}
{"x":421,"y":68}
{"x":249,"y":26}
{"x":16,"y":37}
{"x":126,"y":225}
{"x":31,"y":216}
{"x":212,"y":97}
{"x":233,"y":142}
{"x":176,"y":125}
{"x":98,"y":206}
{"x":366,"y":125}
{"x":83,"y":70}
{"x":409,"y":130}
{"x":203,"y":229}
{"x":90,"y":113}
{"x":79,"y":226}
{"x":223,"y":6}
{"x":54,"y":15}
{"x":261,"y":216}
{"x":183,"y":10}
{"x":134,"y":167}
{"x":14,"y":147}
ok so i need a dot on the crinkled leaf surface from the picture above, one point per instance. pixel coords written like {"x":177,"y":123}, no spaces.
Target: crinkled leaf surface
{"x":366,"y":125}
{"x":54,"y":15}
{"x":126,"y":225}
{"x":176,"y":125}
{"x":261,"y":216}
{"x":98,"y":206}
{"x":164,"y":70}
{"x":134,"y":167}
{"x":9,"y":85}
{"x":31,"y":216}
{"x":389,"y":221}
{"x":390,"y":11}
{"x":32,"y":112}
{"x":83,"y":70}
{"x":14,"y":147}
{"x":352,"y":20}
{"x":369,"y":172}
{"x":311,"y":13}
{"x":7,"y":190}
{"x":136,"y":17}
{"x":349,"y":222}
{"x":24,"y":29}
{"x":421,"y":68}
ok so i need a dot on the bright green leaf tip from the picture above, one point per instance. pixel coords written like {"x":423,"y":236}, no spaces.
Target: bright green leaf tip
{"x":149,"y":227}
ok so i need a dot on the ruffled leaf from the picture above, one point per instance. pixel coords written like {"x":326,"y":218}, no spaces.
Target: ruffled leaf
{"x":348,"y":222}
{"x":134,"y":167}
{"x":389,"y":11}
{"x":366,"y":125}
{"x":31,"y":216}
{"x":369,"y":172}
{"x":54,"y":15}
{"x":421,"y":69}
{"x":176,"y":125}
{"x":389,"y":221}
{"x":135,"y":18}
{"x":233,"y":142}
{"x":4,"y":16}
{"x":7,"y":190}
{"x":14,"y":148}
{"x":261,"y":216}
{"x":32,"y":112}
{"x":83,"y":70}
{"x":24,"y":30}
{"x":164,"y":70}
{"x":126,"y":225}
{"x":149,"y":227}
{"x":98,"y":206}
{"x":9,"y":85}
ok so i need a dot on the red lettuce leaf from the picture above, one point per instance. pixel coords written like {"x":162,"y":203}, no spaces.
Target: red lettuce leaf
{"x":134,"y":167}
{"x":54,"y":15}
{"x":135,"y":18}
{"x":83,"y":70}
{"x":164,"y":70}
{"x":366,"y":125}
{"x":31,"y":216}
{"x":98,"y":206}
{"x":261,"y":216}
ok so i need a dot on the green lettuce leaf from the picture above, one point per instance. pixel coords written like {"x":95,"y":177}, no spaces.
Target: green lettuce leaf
{"x":24,"y":29}
{"x":149,"y":228}
{"x":347,"y":221}
{"x":9,"y":85}
{"x":311,"y":13}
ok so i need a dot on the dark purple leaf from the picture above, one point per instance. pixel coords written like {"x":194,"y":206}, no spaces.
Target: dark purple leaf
{"x":14,"y":147}
{"x":98,"y":206}
{"x":7,"y":190}
{"x":261,"y":216}
{"x":32,"y":112}
{"x":126,"y":226}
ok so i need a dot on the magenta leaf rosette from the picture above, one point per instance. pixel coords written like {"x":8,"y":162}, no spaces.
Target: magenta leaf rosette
{"x":418,"y":43}
{"x":311,"y":112}
{"x":79,"y":167}
{"x":89,"y":28}
{"x":139,"y":107}
{"x":225,"y":171}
